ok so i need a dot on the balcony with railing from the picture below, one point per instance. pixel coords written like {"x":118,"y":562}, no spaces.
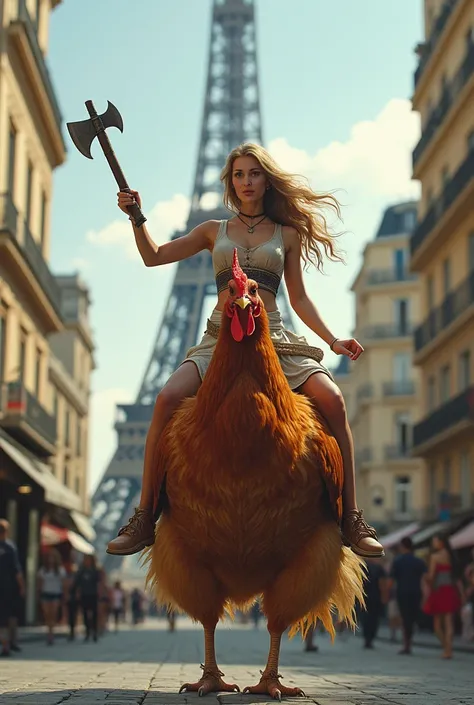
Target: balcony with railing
{"x":454,"y":187}
{"x":364,"y":455}
{"x":26,"y":419}
{"x":399,"y":388}
{"x":25,"y":22}
{"x":397,"y":452}
{"x":29,"y":250}
{"x":364,"y":392}
{"x":450,"y":94}
{"x":456,"y":414}
{"x":389,"y":276}
{"x":454,"y":304}
{"x":437,"y":30}
{"x":388,"y":330}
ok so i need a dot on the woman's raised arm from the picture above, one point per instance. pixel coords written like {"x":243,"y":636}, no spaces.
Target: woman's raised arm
{"x":200,"y":238}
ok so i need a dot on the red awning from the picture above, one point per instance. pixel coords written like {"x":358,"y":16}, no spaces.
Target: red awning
{"x":53,"y":535}
{"x":464,"y":537}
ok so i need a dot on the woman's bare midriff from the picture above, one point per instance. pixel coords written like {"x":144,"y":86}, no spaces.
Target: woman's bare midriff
{"x":269,"y":301}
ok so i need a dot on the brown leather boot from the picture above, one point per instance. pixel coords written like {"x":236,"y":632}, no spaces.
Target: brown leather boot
{"x":361,"y":537}
{"x":135,"y":536}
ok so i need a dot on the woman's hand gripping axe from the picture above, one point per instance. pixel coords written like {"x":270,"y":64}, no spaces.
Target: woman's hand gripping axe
{"x":83,"y":133}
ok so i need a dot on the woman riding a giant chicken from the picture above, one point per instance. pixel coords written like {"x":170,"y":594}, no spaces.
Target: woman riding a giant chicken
{"x":279,"y":223}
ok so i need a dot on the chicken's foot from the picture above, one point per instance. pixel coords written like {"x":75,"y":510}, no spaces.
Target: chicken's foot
{"x":269,"y":683}
{"x":211,"y":681}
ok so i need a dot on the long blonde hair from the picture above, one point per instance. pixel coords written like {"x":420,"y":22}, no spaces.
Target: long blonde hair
{"x":289,"y":201}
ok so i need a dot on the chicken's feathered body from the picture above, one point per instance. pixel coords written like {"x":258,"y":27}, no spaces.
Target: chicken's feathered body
{"x":254,"y":484}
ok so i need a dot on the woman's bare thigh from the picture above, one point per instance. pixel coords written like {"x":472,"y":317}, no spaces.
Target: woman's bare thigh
{"x":184,"y":382}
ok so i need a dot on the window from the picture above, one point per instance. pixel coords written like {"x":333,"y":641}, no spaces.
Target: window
{"x":38,"y":373}
{"x":77,"y":484}
{"x":446,"y":276}
{"x":22,"y":360}
{"x":464,"y":370}
{"x":403,"y":432}
{"x":470,"y":252}
{"x":465,"y":480}
{"x":55,"y":406}
{"x":401,"y":307}
{"x":445,"y":384}
{"x":78,"y":438}
{"x":66,"y":474}
{"x":3,"y":339}
{"x":447,"y":475}
{"x":430,"y":292}
{"x":43,"y":218}
{"x":400,"y":263}
{"x":402,"y":496}
{"x":11,"y":159}
{"x":401,"y":367}
{"x":431,"y":387}
{"x":67,"y":426}
{"x":29,"y":188}
{"x":409,"y":221}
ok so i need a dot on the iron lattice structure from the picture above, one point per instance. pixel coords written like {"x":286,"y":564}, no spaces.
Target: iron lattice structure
{"x":231,"y":116}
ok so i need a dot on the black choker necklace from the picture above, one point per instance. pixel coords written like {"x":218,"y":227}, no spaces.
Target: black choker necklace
{"x":251,"y":228}
{"x":257,"y":215}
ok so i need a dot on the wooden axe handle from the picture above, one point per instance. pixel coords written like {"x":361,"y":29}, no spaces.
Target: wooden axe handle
{"x":109,"y":153}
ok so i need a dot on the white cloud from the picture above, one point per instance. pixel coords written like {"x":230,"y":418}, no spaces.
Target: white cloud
{"x":103,"y":438}
{"x":164,"y":218}
{"x":375,"y":160}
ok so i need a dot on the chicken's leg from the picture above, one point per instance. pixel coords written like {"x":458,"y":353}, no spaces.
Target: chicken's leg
{"x":211,"y":680}
{"x":269,"y":682}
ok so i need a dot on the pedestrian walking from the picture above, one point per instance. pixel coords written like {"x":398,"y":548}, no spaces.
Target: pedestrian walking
{"x":19,"y":592}
{"x":444,"y":598}
{"x":117,"y":603}
{"x":104,"y":603}
{"x":376,"y":594}
{"x":52,"y":589}
{"x":136,"y":606}
{"x":86,"y":586}
{"x":71,"y":600}
{"x":407,"y":573}
{"x":11,"y":585}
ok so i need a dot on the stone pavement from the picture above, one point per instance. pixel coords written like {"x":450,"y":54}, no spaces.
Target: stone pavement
{"x":146,"y":665}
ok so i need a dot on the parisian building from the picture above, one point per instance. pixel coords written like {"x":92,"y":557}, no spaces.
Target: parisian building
{"x":46,"y":344}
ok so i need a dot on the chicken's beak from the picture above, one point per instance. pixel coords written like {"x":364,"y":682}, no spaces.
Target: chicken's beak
{"x":243,"y":302}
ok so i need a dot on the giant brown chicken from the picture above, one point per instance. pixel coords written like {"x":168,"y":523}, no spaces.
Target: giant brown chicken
{"x":254,"y":499}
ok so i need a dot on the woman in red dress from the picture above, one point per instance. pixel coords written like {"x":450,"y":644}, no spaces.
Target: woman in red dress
{"x":444,"y":599}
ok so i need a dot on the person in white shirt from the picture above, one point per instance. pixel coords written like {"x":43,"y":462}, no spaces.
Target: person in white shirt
{"x":117,"y":603}
{"x":51,"y":585}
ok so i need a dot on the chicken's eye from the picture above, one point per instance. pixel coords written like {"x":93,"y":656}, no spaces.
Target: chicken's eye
{"x":231,"y":290}
{"x":253,"y":290}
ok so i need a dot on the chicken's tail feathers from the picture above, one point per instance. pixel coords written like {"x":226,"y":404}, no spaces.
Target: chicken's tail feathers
{"x":347,"y":594}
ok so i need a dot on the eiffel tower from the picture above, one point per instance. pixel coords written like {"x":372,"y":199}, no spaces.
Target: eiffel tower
{"x":231,"y":116}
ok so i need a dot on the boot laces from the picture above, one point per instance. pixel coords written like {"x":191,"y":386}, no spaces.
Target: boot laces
{"x":135,"y":524}
{"x":359,"y":526}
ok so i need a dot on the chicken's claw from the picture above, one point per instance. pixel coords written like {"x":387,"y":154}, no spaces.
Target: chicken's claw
{"x":270,"y":685}
{"x":211,"y":682}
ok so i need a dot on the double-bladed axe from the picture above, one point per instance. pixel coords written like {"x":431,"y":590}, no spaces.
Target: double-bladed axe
{"x":83,"y":134}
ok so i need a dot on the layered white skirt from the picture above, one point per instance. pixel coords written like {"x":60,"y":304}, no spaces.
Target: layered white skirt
{"x":296,"y":368}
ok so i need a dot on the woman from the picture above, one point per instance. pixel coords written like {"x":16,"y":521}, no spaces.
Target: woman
{"x":118,"y":603}
{"x":278,"y":222}
{"x":52,"y":587}
{"x":443,"y":600}
{"x":87,"y":584}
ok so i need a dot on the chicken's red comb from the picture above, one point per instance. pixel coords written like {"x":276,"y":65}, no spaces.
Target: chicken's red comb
{"x":238,"y":274}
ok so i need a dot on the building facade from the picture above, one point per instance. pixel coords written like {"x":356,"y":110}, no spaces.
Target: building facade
{"x":45,"y":341}
{"x":442,"y":255}
{"x":384,"y":387}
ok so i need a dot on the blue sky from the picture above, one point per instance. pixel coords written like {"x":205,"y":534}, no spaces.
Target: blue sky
{"x":335,"y":78}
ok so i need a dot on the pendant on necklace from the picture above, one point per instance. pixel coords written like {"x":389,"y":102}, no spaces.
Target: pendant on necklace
{"x":250,"y":230}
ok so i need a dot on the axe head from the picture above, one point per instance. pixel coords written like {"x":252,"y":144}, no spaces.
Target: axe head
{"x":83,"y":132}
